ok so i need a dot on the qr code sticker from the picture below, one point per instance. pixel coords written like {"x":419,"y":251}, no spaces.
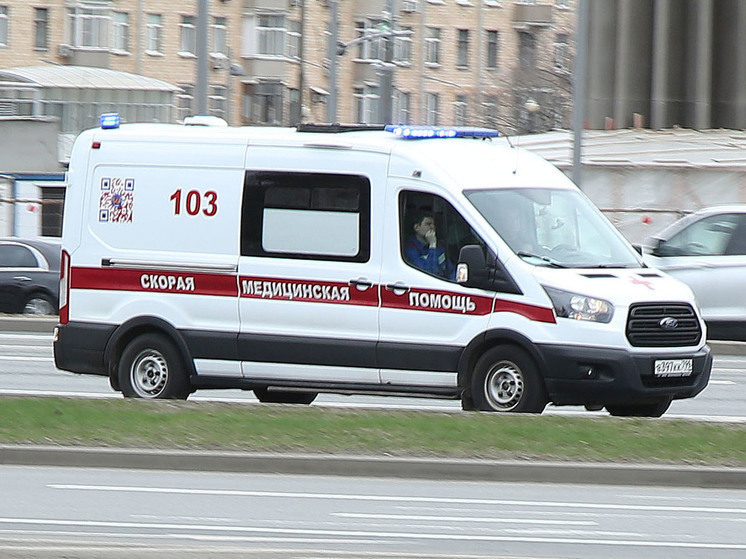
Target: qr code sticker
{"x":116,"y":200}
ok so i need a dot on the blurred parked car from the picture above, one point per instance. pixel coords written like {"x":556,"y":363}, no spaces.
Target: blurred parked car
{"x":29,"y":276}
{"x":707,"y":251}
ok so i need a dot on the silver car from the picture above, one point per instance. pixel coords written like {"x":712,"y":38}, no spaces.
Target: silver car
{"x":707,"y":251}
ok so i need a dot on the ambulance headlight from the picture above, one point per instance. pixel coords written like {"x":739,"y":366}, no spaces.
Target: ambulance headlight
{"x":580,"y":307}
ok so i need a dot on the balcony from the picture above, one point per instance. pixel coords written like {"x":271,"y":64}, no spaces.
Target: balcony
{"x":532,"y":15}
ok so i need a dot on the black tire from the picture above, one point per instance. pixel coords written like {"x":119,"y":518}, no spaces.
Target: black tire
{"x":151,"y":367}
{"x":654,"y":409}
{"x":267,"y":396}
{"x":39,"y":304}
{"x":506,"y":379}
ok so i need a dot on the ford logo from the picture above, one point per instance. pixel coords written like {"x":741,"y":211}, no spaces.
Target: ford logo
{"x":668,"y":323}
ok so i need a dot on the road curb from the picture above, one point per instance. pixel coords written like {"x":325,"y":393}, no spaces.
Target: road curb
{"x":360,"y":466}
{"x":45,"y":325}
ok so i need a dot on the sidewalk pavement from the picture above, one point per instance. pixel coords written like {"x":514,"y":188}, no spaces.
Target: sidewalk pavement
{"x":369,"y":466}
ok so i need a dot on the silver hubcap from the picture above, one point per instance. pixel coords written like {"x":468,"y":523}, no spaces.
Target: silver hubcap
{"x":504,"y":386}
{"x":149,"y":374}
{"x":37,"y":305}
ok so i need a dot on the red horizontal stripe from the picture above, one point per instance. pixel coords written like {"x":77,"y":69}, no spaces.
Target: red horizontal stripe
{"x":221,"y":285}
{"x":159,"y":282}
{"x":532,"y":312}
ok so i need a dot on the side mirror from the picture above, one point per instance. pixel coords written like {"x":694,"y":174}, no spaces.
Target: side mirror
{"x":658,"y":248}
{"x":471,"y":270}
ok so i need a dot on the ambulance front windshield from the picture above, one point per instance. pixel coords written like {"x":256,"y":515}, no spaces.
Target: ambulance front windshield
{"x":554,"y":227}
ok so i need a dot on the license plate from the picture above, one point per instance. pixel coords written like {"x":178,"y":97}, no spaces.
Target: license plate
{"x":673,"y":368}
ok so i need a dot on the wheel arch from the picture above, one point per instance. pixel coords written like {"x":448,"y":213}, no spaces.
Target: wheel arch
{"x":134,"y":327}
{"x":479,"y":345}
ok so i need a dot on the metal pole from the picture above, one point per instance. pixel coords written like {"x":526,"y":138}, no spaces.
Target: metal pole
{"x":298,"y":117}
{"x":579,"y":91}
{"x":387,"y":73}
{"x":201,"y":89}
{"x":331,"y":104}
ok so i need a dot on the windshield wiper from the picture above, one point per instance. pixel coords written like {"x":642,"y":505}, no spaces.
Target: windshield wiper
{"x":549,"y":261}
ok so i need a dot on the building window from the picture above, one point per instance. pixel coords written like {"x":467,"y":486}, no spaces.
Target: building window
{"x":88,"y":25}
{"x":155,"y":33}
{"x":371,"y":49}
{"x":463,"y":48}
{"x":263,"y":103}
{"x":121,"y":35}
{"x":271,"y":33}
{"x":4,"y":26}
{"x":217,"y":100}
{"x":294,"y":39}
{"x":41,"y":28}
{"x":432,"y":45}
{"x":402,"y":108}
{"x":366,"y":104}
{"x":460,"y":110}
{"x":432,"y":101}
{"x":562,"y":53}
{"x":185,"y":100}
{"x":493,"y":38}
{"x":403,"y":47}
{"x":188,"y":33}
{"x":219,"y":30}
{"x":526,"y":51}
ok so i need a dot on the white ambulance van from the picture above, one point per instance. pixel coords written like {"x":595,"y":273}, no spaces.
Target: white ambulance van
{"x":400,"y":261}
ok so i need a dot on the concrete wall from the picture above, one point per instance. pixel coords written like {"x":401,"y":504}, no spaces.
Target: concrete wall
{"x":29,"y":145}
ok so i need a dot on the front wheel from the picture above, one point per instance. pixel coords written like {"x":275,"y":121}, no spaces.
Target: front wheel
{"x":152,"y":368}
{"x":505,"y":379}
{"x":653,"y":409}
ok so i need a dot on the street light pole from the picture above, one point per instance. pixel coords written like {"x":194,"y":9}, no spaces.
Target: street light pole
{"x":331,"y":103}
{"x":579,"y":89}
{"x":201,"y":90}
{"x":387,"y":72}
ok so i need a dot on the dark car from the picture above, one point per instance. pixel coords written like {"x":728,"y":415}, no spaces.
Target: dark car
{"x":29,"y":276}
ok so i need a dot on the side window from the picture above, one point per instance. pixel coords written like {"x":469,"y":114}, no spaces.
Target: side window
{"x":707,"y":237}
{"x":16,"y":256}
{"x":432,"y":233}
{"x":317,"y":216}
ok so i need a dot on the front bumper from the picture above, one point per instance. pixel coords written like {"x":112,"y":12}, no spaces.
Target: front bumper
{"x":578,"y":375}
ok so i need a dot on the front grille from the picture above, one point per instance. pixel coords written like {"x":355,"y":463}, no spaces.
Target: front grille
{"x":644,"y":327}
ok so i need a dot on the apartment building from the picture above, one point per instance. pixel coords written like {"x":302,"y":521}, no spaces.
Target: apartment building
{"x":502,"y":63}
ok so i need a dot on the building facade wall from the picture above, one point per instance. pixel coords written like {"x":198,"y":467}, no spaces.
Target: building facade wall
{"x":494,"y":96}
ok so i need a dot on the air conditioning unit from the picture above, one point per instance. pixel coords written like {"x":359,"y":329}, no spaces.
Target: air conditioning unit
{"x":65,"y":51}
{"x":409,"y":6}
{"x":219,"y":62}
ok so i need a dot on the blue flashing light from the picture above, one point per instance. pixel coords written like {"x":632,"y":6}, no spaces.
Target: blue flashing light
{"x":425,"y":132}
{"x":109,"y":121}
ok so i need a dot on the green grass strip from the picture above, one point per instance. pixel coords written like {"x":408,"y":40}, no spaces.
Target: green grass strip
{"x":274,"y":428}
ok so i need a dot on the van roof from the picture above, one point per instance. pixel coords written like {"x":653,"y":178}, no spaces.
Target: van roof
{"x":468,"y":162}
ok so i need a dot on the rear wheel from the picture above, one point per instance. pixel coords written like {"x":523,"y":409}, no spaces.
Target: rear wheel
{"x":39,"y":303}
{"x":151,"y":367}
{"x":653,"y":409}
{"x":505,"y":379}
{"x":268,"y":396}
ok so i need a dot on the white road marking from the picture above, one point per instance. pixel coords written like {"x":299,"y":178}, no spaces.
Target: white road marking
{"x":392,"y":498}
{"x":25,"y":358}
{"x":476,"y":519}
{"x":137,"y":528}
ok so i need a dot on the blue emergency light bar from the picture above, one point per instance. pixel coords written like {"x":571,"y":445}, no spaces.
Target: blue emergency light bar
{"x":110,"y":120}
{"x":425,"y":132}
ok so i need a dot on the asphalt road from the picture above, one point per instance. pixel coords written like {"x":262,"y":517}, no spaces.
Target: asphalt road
{"x":27,"y":368}
{"x":71,"y":512}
